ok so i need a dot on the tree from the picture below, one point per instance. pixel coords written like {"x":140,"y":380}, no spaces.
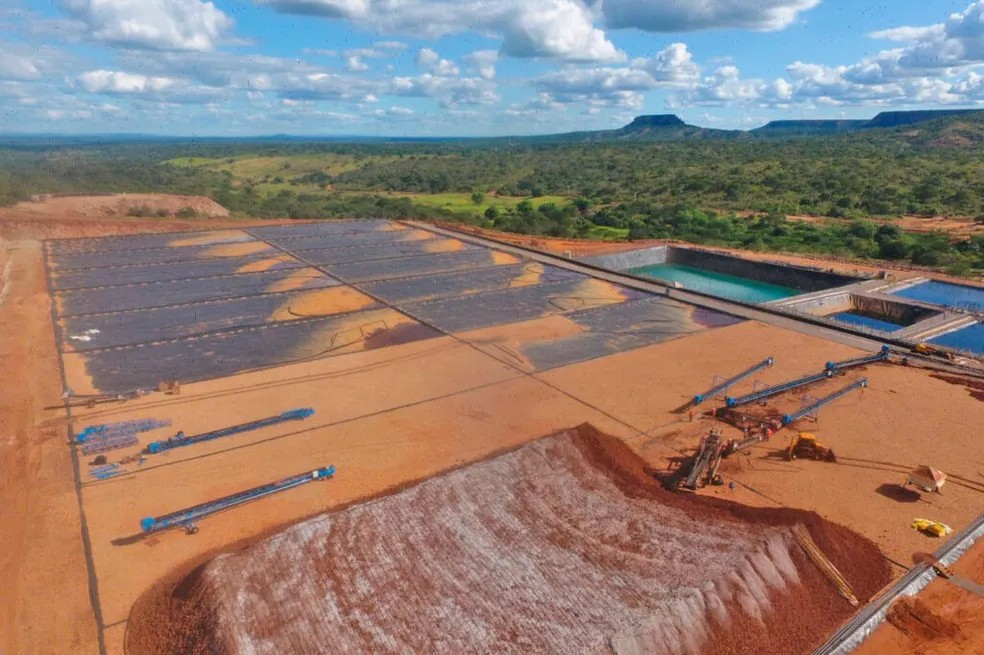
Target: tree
{"x":477,"y":197}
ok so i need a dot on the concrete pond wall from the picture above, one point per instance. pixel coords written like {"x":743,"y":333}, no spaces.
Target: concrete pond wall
{"x":881,"y":307}
{"x":795,"y":277}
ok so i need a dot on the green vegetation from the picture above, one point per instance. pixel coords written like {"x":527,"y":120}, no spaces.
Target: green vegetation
{"x":685,"y":187}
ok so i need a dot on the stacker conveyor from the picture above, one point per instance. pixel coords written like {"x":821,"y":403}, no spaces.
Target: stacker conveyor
{"x":179,"y":440}
{"x":778,"y":389}
{"x":809,"y":409}
{"x":880,"y":356}
{"x":186,"y":518}
{"x":724,"y":386}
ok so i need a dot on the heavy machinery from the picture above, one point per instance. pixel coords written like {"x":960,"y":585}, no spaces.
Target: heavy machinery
{"x":703,"y":468}
{"x":934,"y":351}
{"x":736,"y":445}
{"x":931,"y":528}
{"x":186,"y":518}
{"x":179,"y":440}
{"x":724,"y":386}
{"x":806,"y":446}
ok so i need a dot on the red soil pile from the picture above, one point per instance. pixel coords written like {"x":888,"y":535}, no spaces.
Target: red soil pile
{"x":562,"y":545}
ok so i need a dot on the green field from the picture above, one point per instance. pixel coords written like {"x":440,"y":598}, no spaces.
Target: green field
{"x":247,"y":167}
{"x":462,"y":202}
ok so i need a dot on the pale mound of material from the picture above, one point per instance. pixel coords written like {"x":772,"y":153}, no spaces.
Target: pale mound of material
{"x":560,"y":546}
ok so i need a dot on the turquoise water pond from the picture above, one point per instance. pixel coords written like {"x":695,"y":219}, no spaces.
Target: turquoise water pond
{"x":731,"y":287}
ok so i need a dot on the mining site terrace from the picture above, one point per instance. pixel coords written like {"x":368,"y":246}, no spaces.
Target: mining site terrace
{"x":453,"y":444}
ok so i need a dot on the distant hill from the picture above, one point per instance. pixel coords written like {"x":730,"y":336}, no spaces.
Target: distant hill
{"x":900,"y":118}
{"x":960,"y":130}
{"x":653,"y":127}
{"x":929,"y":128}
{"x":808,"y":127}
{"x":670,"y":127}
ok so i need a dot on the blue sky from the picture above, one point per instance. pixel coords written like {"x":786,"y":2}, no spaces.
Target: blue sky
{"x":474,"y":67}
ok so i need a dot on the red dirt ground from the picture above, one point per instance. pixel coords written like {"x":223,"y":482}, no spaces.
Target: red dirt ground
{"x":95,"y":216}
{"x":40,"y":534}
{"x":563,"y":545}
{"x":119,"y":204}
{"x":943,"y":619}
{"x":40,"y":531}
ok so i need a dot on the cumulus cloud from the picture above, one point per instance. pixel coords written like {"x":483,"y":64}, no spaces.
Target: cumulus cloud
{"x":556,"y":29}
{"x":104,"y":81}
{"x":483,"y":62}
{"x":691,"y":15}
{"x":672,"y":65}
{"x":145,"y":87}
{"x":959,"y":41}
{"x":354,"y":64}
{"x":724,"y":86}
{"x":448,"y":91}
{"x":431,"y":61}
{"x":934,"y":65}
{"x":427,"y":58}
{"x":621,"y":86}
{"x":155,"y":24}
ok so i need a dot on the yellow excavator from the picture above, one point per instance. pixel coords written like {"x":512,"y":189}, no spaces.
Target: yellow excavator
{"x":805,"y":445}
{"x":931,"y":528}
{"x":935,"y":351}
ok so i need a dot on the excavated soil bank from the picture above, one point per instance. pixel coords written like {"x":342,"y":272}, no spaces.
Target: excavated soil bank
{"x":563,"y":545}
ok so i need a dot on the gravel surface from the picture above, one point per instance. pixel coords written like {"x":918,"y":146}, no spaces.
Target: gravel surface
{"x":561,"y":546}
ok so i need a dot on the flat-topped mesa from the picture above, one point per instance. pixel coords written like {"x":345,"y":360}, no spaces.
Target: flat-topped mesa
{"x":898,"y":118}
{"x":811,"y":126}
{"x":655,"y":120}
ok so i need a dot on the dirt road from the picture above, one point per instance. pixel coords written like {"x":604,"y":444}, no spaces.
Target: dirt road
{"x":45,"y":605}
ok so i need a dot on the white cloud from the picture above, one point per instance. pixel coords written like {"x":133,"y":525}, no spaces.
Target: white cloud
{"x":16,"y":67}
{"x":103,"y":81}
{"x":446,"y":68}
{"x":622,"y":86}
{"x":908,"y":33}
{"x":449,"y":91}
{"x":431,"y":61}
{"x":934,"y":65}
{"x":146,"y":87}
{"x":68,"y":114}
{"x":690,"y":15}
{"x":724,"y":86}
{"x":155,"y":24}
{"x":672,"y":65}
{"x":225,"y":72}
{"x":556,"y":29}
{"x":483,"y":62}
{"x":354,"y":64}
{"x":959,"y":42}
{"x":427,"y":58}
